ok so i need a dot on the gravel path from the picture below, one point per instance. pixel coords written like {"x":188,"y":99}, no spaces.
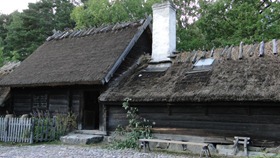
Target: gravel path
{"x":71,"y":151}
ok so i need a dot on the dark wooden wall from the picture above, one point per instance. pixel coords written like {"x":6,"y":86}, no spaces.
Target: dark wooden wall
{"x":260,"y":121}
{"x":57,"y":99}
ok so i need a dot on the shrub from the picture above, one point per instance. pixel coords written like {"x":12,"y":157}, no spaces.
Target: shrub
{"x":138,"y":127}
{"x":47,"y":128}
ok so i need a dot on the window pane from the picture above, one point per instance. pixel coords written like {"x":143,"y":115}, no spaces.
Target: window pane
{"x":204,"y":62}
{"x":40,"y":100}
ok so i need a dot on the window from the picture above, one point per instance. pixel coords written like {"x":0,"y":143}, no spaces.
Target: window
{"x":40,"y":101}
{"x":203,"y":64}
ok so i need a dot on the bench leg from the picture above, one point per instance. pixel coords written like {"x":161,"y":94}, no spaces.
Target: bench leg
{"x":205,"y":150}
{"x":184,"y":147}
{"x":145,"y":145}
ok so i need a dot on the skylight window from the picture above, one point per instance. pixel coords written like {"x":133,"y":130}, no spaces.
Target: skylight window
{"x":204,"y":62}
{"x":203,"y":65}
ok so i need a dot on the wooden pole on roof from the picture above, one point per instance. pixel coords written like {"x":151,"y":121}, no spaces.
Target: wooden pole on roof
{"x":203,"y":56}
{"x":212,"y":52}
{"x":240,"y":55}
{"x":229,"y":52}
{"x":252,"y":49}
{"x":261,"y":53}
{"x":194,"y":57}
{"x":224,"y":50}
{"x":274,"y":42}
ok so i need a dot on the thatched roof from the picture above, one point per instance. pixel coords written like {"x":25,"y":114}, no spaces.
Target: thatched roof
{"x":235,"y":76}
{"x":5,"y":70}
{"x":88,"y":56}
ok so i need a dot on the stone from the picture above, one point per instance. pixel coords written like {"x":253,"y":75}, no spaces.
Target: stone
{"x":81,"y":139}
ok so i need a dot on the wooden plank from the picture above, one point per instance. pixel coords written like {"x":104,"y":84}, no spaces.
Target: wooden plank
{"x":172,"y":141}
{"x":17,"y":124}
{"x":21,"y":130}
{"x":261,"y":50}
{"x":58,"y":102}
{"x":31,"y":129}
{"x":240,"y":53}
{"x":214,"y":118}
{"x":252,"y":49}
{"x":22,"y":100}
{"x":2,"y":129}
{"x":203,"y":56}
{"x":274,"y":45}
{"x":223,"y":51}
{"x":229,"y":52}
{"x":212,"y":52}
{"x":194,"y":59}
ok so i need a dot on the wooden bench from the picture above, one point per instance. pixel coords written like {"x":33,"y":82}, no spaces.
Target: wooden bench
{"x":144,"y":143}
{"x":241,"y":140}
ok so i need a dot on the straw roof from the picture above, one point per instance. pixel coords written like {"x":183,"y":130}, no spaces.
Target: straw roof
{"x":236,"y":75}
{"x":89,"y":56}
{"x":5,"y":70}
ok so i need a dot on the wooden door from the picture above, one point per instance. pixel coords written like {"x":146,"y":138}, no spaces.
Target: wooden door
{"x":91,"y":110}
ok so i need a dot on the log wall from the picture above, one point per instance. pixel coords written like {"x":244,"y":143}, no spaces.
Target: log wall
{"x":57,"y":100}
{"x":260,"y":121}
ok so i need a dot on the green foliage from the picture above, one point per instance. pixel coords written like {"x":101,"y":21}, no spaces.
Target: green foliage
{"x":137,"y":128}
{"x":1,"y":56}
{"x":98,"y":12}
{"x":51,"y":128}
{"x":215,"y":22}
{"x":24,"y":32}
{"x":67,"y":122}
{"x":4,"y":21}
{"x":227,"y":22}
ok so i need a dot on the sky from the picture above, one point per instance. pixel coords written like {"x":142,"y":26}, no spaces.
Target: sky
{"x":8,"y":6}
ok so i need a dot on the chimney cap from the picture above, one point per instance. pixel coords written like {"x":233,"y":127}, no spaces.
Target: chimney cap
{"x":164,"y":4}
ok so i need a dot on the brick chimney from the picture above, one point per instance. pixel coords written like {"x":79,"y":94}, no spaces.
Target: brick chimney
{"x":164,"y":32}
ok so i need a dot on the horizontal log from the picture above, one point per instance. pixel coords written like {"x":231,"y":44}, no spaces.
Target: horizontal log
{"x":16,"y":105}
{"x":218,"y":133}
{"x":58,"y":102}
{"x":172,"y":141}
{"x":216,"y":118}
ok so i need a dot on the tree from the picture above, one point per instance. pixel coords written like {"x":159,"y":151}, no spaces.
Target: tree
{"x":4,"y":21}
{"x":1,"y":53}
{"x":62,"y":19}
{"x":98,"y":12}
{"x":29,"y":29}
{"x":15,"y":34}
{"x":227,"y":22}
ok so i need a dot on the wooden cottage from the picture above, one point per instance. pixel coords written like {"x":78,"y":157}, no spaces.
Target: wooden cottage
{"x":233,"y":91}
{"x":226,"y":92}
{"x":72,"y":68}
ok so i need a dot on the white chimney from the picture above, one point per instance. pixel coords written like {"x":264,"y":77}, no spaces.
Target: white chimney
{"x":164,"y":31}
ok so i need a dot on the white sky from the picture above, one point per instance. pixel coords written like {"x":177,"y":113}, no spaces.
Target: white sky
{"x":8,"y":6}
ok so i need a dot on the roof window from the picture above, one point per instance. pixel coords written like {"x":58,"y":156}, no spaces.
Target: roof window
{"x":203,"y":65}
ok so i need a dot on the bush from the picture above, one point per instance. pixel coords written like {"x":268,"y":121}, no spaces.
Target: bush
{"x":47,"y":128}
{"x":137,"y":128}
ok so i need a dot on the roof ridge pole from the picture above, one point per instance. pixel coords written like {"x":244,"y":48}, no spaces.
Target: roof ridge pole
{"x":194,"y":57}
{"x":252,"y":49}
{"x":212,"y":52}
{"x":203,"y":56}
{"x":261,"y":53}
{"x":229,"y":52}
{"x":274,"y":43}
{"x":240,"y":55}
{"x":223,"y":51}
